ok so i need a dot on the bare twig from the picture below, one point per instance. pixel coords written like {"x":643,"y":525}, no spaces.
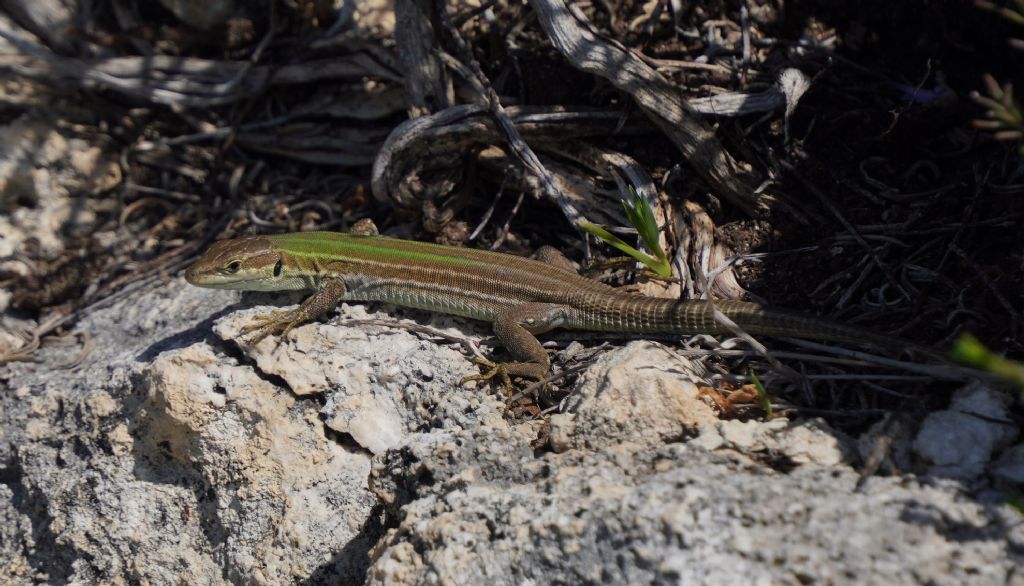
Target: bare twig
{"x":513,"y":138}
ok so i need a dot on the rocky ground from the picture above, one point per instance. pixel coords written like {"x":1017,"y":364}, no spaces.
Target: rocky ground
{"x":142,"y":440}
{"x":351,"y":453}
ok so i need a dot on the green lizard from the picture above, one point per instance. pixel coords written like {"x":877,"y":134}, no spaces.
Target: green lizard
{"x":519,"y":296}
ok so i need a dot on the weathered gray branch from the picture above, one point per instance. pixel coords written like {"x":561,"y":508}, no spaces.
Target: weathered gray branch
{"x":426,"y":80}
{"x":660,"y":99}
{"x":458,"y":129}
{"x":50,"y":20}
{"x":187,"y":82}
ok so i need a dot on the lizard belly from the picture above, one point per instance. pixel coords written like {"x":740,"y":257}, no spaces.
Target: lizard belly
{"x":439,"y":299}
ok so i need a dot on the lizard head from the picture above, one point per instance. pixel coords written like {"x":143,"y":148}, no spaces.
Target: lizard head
{"x":251,"y":263}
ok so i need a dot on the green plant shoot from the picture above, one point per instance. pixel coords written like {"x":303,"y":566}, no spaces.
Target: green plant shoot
{"x":969,"y":350}
{"x":762,"y":396}
{"x":641,"y":216}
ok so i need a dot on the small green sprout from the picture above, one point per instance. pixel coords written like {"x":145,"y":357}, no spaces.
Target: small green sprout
{"x":762,"y":396}
{"x":642,"y":217}
{"x":1004,"y":118}
{"x":1014,"y":15}
{"x":969,"y":350}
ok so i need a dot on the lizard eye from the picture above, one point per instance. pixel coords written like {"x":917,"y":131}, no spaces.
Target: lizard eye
{"x":234,"y":266}
{"x":278,"y":267}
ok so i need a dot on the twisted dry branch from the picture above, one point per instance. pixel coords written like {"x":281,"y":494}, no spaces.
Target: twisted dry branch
{"x":661,"y":100}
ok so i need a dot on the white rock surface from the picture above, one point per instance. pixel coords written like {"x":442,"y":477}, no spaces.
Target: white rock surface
{"x":209,"y":418}
{"x":640,"y":394}
{"x":799,"y":442}
{"x":375,"y":375}
{"x":350,"y":454}
{"x":960,"y":441}
{"x":164,"y":460}
{"x":40,"y":170}
{"x":680,"y":515}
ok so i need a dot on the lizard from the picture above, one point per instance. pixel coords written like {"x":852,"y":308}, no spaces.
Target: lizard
{"x":519,"y":296}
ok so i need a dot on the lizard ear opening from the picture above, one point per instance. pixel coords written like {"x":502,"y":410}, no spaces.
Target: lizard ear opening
{"x":278,"y":266}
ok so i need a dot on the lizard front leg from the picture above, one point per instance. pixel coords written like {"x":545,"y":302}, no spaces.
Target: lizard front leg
{"x":515,"y":328}
{"x":331,"y":292}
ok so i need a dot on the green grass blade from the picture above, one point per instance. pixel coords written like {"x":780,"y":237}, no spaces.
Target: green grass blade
{"x":969,"y":350}
{"x":641,"y":216}
{"x":762,"y":396}
{"x":662,"y":269}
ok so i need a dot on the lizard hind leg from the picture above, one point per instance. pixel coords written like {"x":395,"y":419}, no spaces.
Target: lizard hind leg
{"x":515,"y":328}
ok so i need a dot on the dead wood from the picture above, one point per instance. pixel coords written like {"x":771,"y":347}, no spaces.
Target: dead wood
{"x":470,"y":71}
{"x":426,"y":80}
{"x":49,"y":20}
{"x":588,"y":51}
{"x":591,"y":178}
{"x":189,"y":82}
{"x":322,"y":144}
{"x":454,"y":133}
{"x":416,"y":144}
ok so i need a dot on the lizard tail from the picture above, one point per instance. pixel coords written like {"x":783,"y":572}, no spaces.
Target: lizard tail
{"x":646,"y":315}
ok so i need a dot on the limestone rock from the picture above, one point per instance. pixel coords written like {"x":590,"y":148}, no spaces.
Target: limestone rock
{"x":349,"y":453}
{"x":635,"y":394}
{"x":959,"y":442}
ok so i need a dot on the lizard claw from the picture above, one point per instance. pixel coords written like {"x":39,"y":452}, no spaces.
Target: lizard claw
{"x":496,"y":369}
{"x":270,"y":323}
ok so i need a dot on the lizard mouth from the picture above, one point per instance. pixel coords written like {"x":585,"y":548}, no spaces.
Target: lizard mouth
{"x":195,"y":276}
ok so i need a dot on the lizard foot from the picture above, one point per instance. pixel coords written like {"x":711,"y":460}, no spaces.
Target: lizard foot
{"x":496,"y":369}
{"x":282,"y":320}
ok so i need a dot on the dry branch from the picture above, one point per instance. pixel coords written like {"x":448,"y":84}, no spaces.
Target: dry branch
{"x":187,"y":82}
{"x":426,"y":80}
{"x":49,"y":20}
{"x":592,"y":183}
{"x":321,"y":144}
{"x":471,"y":71}
{"x":413,"y":140}
{"x":660,"y":99}
{"x":456,"y":131}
